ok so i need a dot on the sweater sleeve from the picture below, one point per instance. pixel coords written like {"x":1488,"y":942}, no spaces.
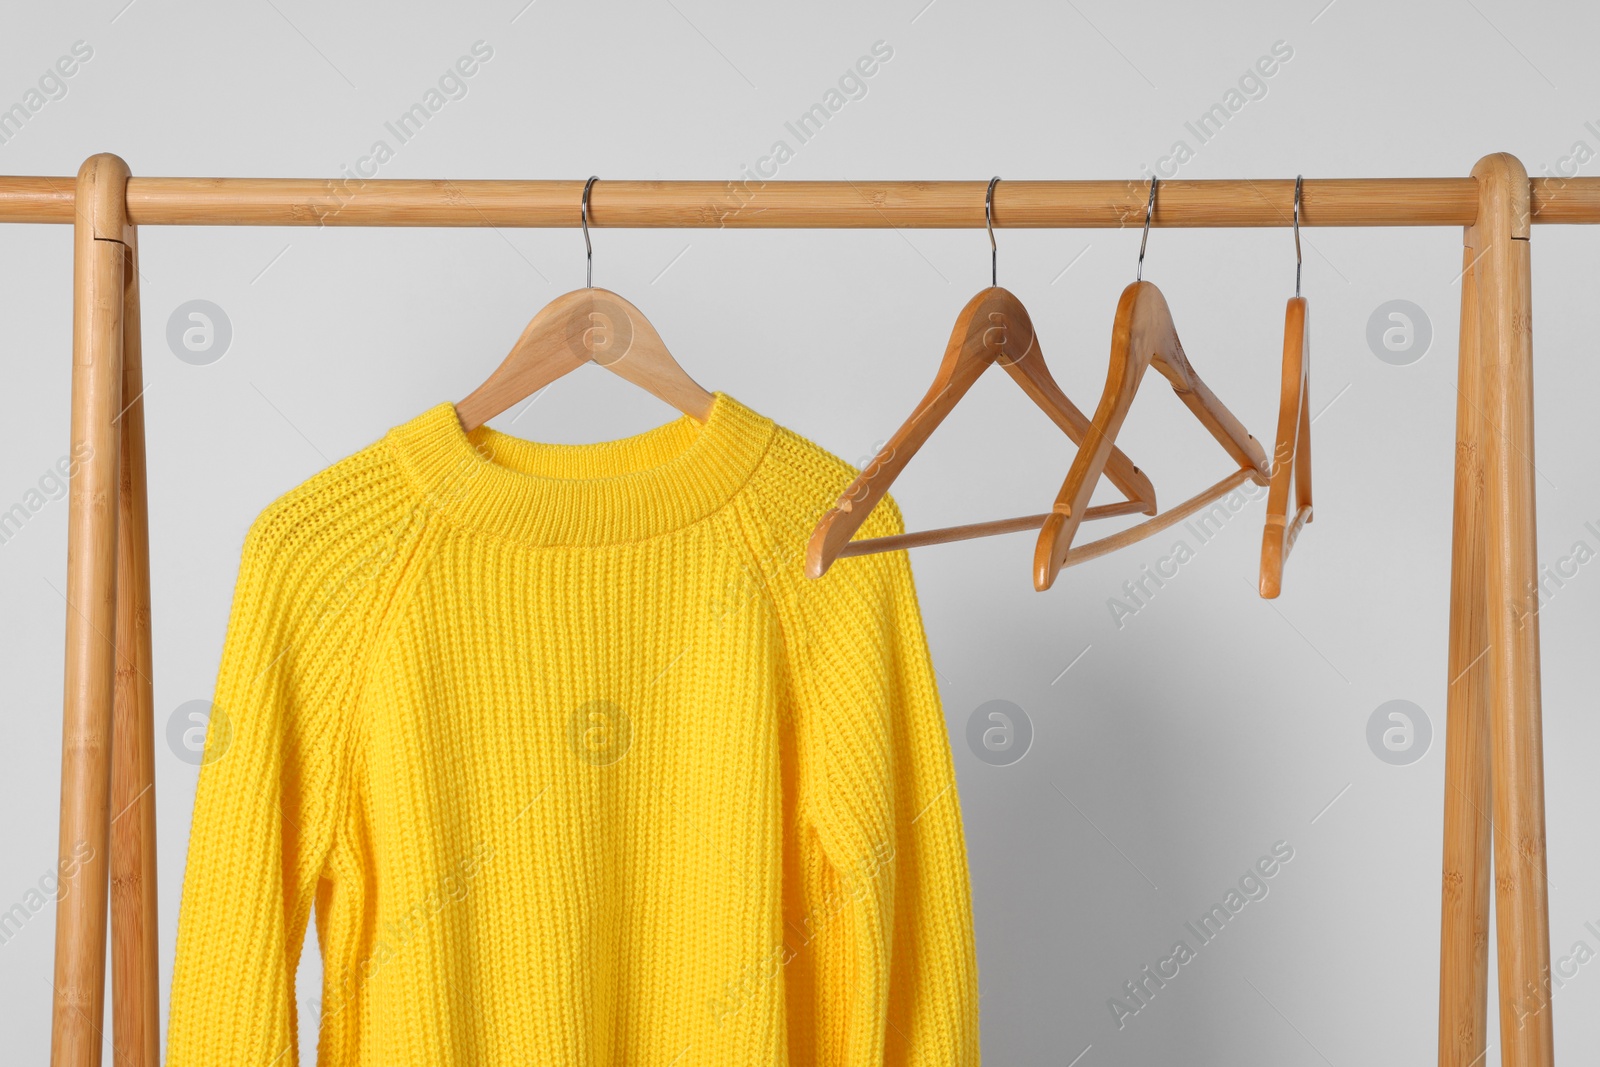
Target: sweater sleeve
{"x":313,"y":576}
{"x":889,"y":965}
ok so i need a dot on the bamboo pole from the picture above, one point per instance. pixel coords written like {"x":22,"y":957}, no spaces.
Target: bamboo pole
{"x":100,"y":233}
{"x":1511,"y":603}
{"x":135,"y":991}
{"x":823,"y":204}
{"x":1464,"y":910}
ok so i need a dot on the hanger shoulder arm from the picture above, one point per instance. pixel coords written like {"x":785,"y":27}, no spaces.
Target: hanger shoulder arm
{"x":984,"y":328}
{"x":539,"y":357}
{"x":1129,"y":361}
{"x":582,"y":326}
{"x":1024,"y":362}
{"x":645,"y":361}
{"x":1155,"y":332}
{"x":1035,"y":379}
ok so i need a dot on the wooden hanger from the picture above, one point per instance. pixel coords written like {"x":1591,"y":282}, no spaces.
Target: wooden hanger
{"x":1142,"y":334}
{"x":993,"y":327}
{"x":1291,"y":458}
{"x":583,"y":326}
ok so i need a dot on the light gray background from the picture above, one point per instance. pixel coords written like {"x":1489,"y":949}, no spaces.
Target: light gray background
{"x":1177,"y":748}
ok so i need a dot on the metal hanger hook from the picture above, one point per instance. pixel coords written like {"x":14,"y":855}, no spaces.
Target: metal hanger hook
{"x":988,"y":220}
{"x":1297,"y":181}
{"x":588,"y":249}
{"x":1149,"y":210}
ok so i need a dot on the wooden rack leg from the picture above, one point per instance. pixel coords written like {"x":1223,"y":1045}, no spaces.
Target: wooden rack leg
{"x":1464,"y":923}
{"x":135,"y":991}
{"x":1505,"y":342}
{"x":99,"y":258}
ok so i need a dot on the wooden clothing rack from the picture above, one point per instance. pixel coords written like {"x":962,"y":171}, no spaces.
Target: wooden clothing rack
{"x":1494,"y":773}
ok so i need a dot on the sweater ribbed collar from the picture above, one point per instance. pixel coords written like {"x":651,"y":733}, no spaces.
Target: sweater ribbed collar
{"x":627,"y":489}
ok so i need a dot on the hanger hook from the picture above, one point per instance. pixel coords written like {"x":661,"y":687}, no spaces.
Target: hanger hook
{"x":1149,"y":209}
{"x":1297,"y":180}
{"x":588,"y":249}
{"x":988,"y":220}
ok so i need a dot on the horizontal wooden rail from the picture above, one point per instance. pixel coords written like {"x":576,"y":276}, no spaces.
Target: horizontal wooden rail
{"x":789,"y":204}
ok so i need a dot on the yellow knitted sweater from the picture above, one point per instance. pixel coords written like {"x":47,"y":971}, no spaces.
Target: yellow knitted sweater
{"x":577,"y":767}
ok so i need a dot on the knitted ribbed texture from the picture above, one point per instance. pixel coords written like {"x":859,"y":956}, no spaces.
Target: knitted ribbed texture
{"x":578,"y":767}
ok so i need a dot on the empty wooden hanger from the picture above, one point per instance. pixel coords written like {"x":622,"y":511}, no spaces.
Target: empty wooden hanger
{"x":1291,"y":457}
{"x":993,"y":327}
{"x":583,"y":326}
{"x":1142,"y":334}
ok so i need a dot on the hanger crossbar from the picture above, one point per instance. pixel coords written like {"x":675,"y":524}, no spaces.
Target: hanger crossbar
{"x":1150,"y":527}
{"x":861,"y":546}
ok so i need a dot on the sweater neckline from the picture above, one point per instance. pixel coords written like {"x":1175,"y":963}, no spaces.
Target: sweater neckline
{"x":626,"y":489}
